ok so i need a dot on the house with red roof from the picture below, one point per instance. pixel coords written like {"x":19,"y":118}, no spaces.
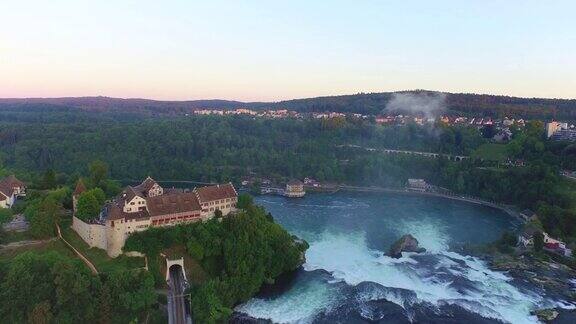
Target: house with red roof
{"x":11,"y":189}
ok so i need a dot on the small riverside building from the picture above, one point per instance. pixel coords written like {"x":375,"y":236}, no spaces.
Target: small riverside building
{"x":11,"y":189}
{"x":294,"y":189}
{"x":418,"y":185}
{"x":146,"y":205}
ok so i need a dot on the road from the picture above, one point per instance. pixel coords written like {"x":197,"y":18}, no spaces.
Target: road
{"x":177,"y":309}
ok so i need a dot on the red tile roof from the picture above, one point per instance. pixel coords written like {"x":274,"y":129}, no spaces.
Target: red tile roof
{"x":216,"y":192}
{"x":12,"y":181}
{"x":145,"y":186}
{"x":172,"y":203}
{"x":8,"y":184}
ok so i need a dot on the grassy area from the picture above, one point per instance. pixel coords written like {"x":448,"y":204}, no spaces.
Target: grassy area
{"x":491,"y":152}
{"x":98,"y":257}
{"x":56,"y":245}
{"x":9,"y":237}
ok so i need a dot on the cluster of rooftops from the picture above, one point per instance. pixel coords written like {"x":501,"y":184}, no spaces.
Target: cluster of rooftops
{"x":150,"y":200}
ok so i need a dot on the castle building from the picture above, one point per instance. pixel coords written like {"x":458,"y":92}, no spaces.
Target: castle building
{"x":10,"y":189}
{"x":146,"y":205}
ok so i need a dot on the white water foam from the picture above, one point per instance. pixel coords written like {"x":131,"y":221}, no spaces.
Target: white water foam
{"x":348,"y":259}
{"x":299,"y":305}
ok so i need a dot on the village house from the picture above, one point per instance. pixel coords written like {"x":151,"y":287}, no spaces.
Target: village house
{"x":148,"y":204}
{"x":11,"y":189}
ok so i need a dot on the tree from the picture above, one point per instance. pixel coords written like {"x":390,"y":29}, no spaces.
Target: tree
{"x":104,"y":309}
{"x":195,"y":249}
{"x":49,"y":179}
{"x":98,"y":173}
{"x":207,"y":306}
{"x":87,"y":207}
{"x":538,"y":241}
{"x":5,"y":215}
{"x":132,"y":293}
{"x":244,"y":200}
{"x":43,"y":217}
{"x":99,"y":195}
{"x":41,"y":314}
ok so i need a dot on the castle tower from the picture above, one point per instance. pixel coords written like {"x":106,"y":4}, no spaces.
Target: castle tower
{"x":80,"y":188}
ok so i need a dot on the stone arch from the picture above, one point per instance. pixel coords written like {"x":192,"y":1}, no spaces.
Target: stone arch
{"x":175,"y":263}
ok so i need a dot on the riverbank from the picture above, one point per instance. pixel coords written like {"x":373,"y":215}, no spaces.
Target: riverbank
{"x":508,"y":209}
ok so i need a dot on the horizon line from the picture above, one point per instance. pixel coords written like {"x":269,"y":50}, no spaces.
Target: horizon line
{"x":291,"y":99}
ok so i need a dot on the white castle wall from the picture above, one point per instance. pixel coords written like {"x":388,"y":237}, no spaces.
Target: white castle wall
{"x":93,"y":234}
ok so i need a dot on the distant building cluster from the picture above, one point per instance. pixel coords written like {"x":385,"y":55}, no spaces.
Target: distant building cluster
{"x":559,"y":131}
{"x":146,"y":205}
{"x":276,"y":113}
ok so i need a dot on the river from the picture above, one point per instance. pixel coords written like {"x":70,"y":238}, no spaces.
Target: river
{"x":348,"y":279}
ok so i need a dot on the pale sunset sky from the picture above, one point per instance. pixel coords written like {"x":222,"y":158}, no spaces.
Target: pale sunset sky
{"x":274,"y":50}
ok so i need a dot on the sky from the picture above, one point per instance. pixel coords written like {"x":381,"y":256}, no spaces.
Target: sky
{"x":275,"y":50}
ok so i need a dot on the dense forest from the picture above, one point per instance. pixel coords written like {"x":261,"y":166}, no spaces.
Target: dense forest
{"x":364,"y":103}
{"x":215,"y":148}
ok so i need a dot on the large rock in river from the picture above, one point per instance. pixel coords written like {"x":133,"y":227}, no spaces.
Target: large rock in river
{"x":407,"y":243}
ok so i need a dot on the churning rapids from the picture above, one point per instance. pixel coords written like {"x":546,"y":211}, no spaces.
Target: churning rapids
{"x":347,"y":278}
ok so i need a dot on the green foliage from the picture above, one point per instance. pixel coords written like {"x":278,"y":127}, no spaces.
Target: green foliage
{"x":506,"y":242}
{"x":244,"y":201}
{"x":538,"y":241}
{"x":131,"y":293}
{"x":491,"y":152}
{"x":98,"y":173}
{"x":53,"y":288}
{"x":47,"y":284}
{"x":207,"y":306}
{"x":5,"y":215}
{"x":240,"y":252}
{"x":87,"y":207}
{"x":48,"y":180}
{"x":99,"y":195}
{"x":195,"y":249}
{"x":43,"y":215}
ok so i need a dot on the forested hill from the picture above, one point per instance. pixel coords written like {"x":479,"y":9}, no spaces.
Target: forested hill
{"x":365,"y":103}
{"x":107,"y":104}
{"x":462,"y":103}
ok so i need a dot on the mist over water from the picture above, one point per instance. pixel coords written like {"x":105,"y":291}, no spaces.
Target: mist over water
{"x":348,"y":278}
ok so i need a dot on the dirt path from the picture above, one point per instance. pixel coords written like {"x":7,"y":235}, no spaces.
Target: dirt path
{"x":80,"y":255}
{"x":19,"y":244}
